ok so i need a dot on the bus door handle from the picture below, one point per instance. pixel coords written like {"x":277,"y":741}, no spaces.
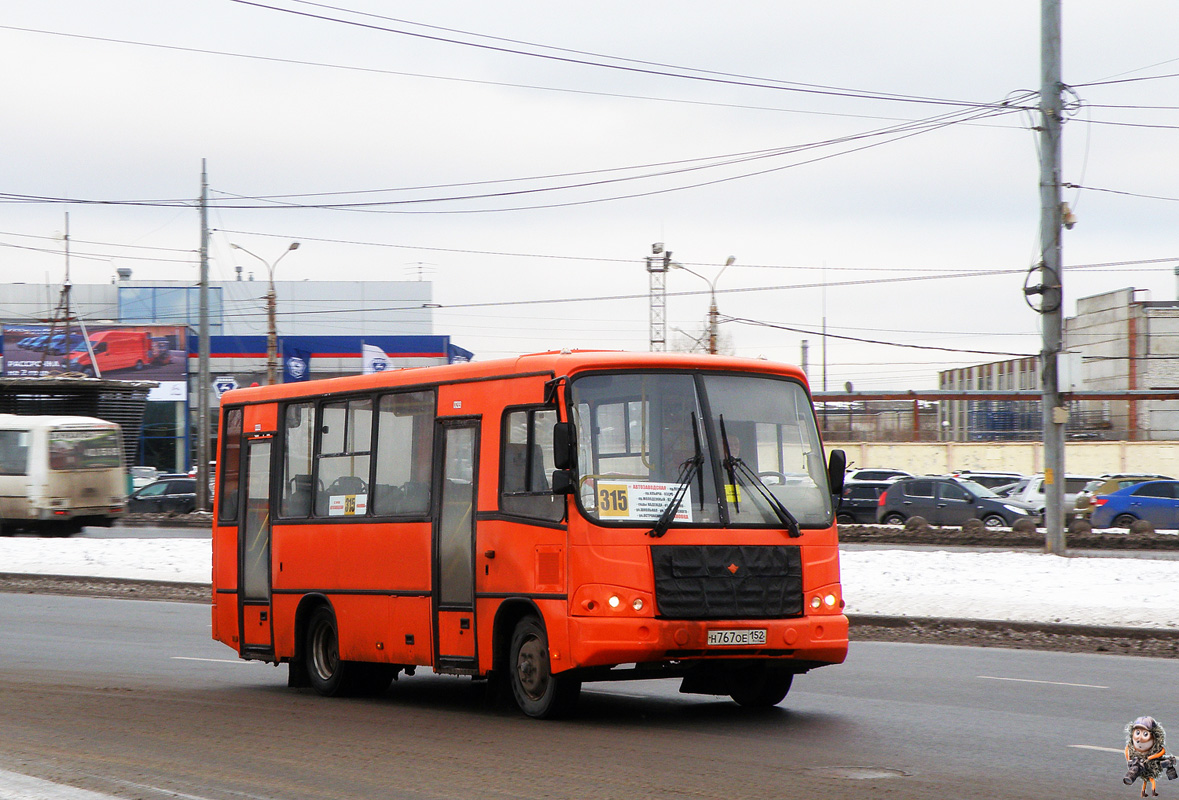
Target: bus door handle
{"x":489,"y":553}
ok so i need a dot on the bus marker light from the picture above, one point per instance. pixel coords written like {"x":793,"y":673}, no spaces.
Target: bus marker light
{"x":614,"y":601}
{"x":829,"y":600}
{"x":816,"y":602}
{"x":637,"y":605}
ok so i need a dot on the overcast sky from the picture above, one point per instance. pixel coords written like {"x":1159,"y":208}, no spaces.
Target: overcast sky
{"x":525,"y":117}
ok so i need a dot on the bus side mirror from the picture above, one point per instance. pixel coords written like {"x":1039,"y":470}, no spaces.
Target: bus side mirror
{"x":563,"y":482}
{"x":563,"y":445}
{"x":836,"y":465}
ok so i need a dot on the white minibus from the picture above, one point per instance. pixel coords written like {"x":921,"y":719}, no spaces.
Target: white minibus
{"x":59,"y":473}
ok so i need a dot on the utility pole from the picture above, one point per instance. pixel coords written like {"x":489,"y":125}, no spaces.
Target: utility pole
{"x":203,"y":380}
{"x":1055,"y":414}
{"x":65,"y":294}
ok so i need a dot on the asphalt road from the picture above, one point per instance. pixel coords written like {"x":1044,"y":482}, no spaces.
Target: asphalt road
{"x":132,"y":699}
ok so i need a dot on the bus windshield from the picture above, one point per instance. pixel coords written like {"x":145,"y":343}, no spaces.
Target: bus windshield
{"x":733,"y":448}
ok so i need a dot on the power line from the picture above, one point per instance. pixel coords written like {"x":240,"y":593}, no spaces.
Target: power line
{"x":893,"y":133}
{"x":450,"y":78}
{"x":762,"y":324}
{"x":747,"y":81}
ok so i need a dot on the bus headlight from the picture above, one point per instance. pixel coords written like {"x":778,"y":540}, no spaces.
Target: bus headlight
{"x":599,"y":600}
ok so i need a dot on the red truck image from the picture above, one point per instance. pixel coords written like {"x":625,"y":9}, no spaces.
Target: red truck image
{"x":114,"y":350}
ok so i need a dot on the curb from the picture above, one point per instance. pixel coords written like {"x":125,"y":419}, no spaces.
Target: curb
{"x":1055,"y":636}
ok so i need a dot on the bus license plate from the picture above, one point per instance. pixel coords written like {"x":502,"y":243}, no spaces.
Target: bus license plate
{"x":757,"y":636}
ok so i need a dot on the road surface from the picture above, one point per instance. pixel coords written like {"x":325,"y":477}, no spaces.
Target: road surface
{"x":132,"y":699}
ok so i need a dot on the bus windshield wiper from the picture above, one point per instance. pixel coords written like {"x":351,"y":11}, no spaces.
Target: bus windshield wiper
{"x":734,"y":466}
{"x":688,"y":470}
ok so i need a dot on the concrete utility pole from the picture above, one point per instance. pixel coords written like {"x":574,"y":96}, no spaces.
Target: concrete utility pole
{"x":1055,"y":414}
{"x":204,"y":382}
{"x":713,"y":314}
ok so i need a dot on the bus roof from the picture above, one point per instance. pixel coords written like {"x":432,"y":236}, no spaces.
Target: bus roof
{"x":558,"y":363}
{"x":10,"y":422}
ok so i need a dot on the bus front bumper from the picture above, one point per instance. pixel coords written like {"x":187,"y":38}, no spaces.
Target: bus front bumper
{"x":598,"y":641}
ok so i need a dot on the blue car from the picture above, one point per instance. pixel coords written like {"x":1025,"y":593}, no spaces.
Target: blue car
{"x":1154,"y":501}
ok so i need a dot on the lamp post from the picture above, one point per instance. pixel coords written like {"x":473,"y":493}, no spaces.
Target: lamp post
{"x":712,"y":312}
{"x":271,"y":303}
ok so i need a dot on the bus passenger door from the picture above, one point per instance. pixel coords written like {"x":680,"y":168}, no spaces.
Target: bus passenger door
{"x":254,"y":544}
{"x":454,"y":544}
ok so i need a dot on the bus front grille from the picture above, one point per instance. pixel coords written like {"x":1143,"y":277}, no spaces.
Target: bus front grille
{"x":727,"y":581}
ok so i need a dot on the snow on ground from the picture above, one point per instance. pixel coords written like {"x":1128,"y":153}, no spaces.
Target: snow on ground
{"x":1139,"y":592}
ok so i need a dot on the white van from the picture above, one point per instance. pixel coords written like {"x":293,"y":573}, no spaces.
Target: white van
{"x":60,"y":473}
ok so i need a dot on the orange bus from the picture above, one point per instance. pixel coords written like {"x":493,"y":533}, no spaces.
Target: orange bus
{"x":543,"y":521}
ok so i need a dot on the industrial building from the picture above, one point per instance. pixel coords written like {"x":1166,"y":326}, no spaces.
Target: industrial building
{"x":1119,"y":341}
{"x":322,"y":329}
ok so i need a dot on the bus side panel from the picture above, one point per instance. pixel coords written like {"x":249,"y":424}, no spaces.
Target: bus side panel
{"x":341,"y":560}
{"x":394,"y":556}
{"x":526,"y":561}
{"x":225,"y":578}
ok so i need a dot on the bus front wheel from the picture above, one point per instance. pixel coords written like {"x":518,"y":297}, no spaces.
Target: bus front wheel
{"x":538,"y":692}
{"x":759,"y":686}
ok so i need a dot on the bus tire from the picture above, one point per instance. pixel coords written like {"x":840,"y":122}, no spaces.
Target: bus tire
{"x":537,"y":691}
{"x":325,"y":672}
{"x":759,"y":686}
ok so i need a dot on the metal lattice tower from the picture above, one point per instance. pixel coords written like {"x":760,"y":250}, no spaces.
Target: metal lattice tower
{"x":657,"y":265}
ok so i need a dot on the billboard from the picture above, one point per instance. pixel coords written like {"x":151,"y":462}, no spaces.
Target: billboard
{"x":120,"y":352}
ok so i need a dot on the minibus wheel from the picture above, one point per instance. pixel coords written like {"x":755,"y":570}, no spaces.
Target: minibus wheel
{"x":538,"y":692}
{"x":331,"y":676}
{"x":759,"y":687}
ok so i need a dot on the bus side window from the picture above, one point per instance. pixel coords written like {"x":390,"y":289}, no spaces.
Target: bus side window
{"x":231,"y":462}
{"x":14,"y":452}
{"x":343,"y":458}
{"x":298,"y":438}
{"x":526,"y":462}
{"x":404,"y":454}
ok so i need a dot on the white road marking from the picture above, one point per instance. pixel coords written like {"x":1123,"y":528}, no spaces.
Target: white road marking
{"x":1050,"y":683}
{"x":215,"y":660}
{"x":1095,"y":747}
{"x":15,"y":786}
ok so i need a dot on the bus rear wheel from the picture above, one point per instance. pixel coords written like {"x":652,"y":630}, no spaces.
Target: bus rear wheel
{"x":759,"y":687}
{"x":327,"y":673}
{"x":538,"y":692}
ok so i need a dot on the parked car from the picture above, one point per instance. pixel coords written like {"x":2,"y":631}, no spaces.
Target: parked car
{"x":991,"y":480}
{"x":173,"y":495}
{"x":1108,"y":484}
{"x":142,"y":476}
{"x":875,"y":474}
{"x":1030,"y":490}
{"x":857,"y":504}
{"x":1154,"y":501}
{"x":949,"y":501}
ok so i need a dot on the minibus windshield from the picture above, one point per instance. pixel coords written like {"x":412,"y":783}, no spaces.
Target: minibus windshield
{"x":645,"y":440}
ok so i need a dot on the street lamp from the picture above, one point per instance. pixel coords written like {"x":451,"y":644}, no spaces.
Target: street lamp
{"x":712,"y":312}
{"x":272,"y":332}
